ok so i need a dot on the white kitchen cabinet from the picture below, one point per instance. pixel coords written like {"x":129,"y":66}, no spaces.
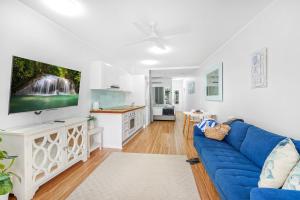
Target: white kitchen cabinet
{"x":44,"y":151}
{"x":140,"y":118}
{"x":104,"y":76}
{"x":118,"y":127}
{"x":125,"y":81}
{"x":101,"y":76}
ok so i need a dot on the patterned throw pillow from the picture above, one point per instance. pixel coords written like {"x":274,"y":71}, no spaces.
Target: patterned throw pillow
{"x":279,"y":164}
{"x":206,"y":123}
{"x":293,"y":181}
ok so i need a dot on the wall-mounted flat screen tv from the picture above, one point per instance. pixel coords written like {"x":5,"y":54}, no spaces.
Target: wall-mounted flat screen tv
{"x":37,"y":86}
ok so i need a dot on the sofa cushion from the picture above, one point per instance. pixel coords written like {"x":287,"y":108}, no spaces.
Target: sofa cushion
{"x":197,"y":131}
{"x":273,"y":194}
{"x":258,"y":144}
{"x":203,"y":142}
{"x":293,"y":180}
{"x":236,"y":184}
{"x":297,"y":145}
{"x":279,"y":164}
{"x":237,"y":134}
{"x":216,"y":159}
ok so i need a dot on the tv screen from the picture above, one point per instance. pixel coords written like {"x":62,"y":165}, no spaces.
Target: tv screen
{"x":39,"y":86}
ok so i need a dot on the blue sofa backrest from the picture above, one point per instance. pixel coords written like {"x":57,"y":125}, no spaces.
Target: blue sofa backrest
{"x":237,"y":134}
{"x":297,"y":145}
{"x":258,"y":144}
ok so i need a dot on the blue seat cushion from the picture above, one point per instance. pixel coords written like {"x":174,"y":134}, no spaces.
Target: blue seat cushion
{"x":237,"y":134}
{"x":215,"y":159}
{"x":258,"y":144}
{"x":197,"y":131}
{"x":236,"y":184}
{"x":201,"y":142}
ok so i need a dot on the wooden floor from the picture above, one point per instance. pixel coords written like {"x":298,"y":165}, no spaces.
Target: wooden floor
{"x":161,"y":137}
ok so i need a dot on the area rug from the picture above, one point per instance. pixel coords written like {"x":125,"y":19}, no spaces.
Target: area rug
{"x":133,"y":176}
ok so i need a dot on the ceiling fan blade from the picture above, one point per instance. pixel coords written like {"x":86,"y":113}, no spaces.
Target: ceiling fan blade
{"x":153,"y":26}
{"x":160,"y":43}
{"x":178,"y":31}
{"x":147,"y":30}
{"x":174,"y":35}
{"x":139,"y":41}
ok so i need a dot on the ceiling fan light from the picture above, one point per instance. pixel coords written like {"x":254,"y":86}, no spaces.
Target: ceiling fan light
{"x":149,"y":62}
{"x":159,"y":51}
{"x":69,"y":8}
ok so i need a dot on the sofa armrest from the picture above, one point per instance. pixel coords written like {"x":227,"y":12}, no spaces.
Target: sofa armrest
{"x":274,"y":194}
{"x":197,"y":131}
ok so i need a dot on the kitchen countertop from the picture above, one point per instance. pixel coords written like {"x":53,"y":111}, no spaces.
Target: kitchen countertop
{"x":117,"y":110}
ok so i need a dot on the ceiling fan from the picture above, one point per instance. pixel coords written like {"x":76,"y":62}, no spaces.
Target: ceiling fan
{"x":152,"y":34}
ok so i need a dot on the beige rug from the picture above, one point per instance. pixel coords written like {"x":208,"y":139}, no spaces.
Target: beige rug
{"x":132,"y":176}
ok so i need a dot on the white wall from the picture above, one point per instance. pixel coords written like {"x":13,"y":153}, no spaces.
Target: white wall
{"x":140,"y":94}
{"x":191,"y":101}
{"x":25,"y":33}
{"x":275,"y":108}
{"x":178,"y":85}
{"x":164,"y":82}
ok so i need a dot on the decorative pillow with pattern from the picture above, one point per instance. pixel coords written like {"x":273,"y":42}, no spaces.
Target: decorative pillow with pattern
{"x":293,"y":181}
{"x":279,"y":164}
{"x":207,"y":123}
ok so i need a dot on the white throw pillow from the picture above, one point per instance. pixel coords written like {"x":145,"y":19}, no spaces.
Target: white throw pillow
{"x":293,"y":181}
{"x":279,"y":164}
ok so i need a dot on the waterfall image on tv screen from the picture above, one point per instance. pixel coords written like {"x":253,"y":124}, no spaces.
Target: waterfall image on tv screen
{"x":40,"y":86}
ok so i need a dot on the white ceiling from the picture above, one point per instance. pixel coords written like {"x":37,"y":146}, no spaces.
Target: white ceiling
{"x":174,"y":73}
{"x":107,"y":25}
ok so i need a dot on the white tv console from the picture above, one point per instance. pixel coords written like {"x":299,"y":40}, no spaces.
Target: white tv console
{"x":44,"y":151}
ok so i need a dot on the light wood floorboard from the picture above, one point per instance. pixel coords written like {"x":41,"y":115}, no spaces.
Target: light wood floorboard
{"x":161,"y":137}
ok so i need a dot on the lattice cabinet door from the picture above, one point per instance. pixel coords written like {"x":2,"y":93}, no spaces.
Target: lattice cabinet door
{"x":76,"y":142}
{"x":47,"y":155}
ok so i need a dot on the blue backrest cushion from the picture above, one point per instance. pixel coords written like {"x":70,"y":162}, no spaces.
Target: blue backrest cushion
{"x":297,"y":145}
{"x":197,"y":131}
{"x":258,"y":144}
{"x":237,"y":134}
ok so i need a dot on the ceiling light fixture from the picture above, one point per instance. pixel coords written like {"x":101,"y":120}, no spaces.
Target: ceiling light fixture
{"x":65,"y":7}
{"x":107,"y":64}
{"x":178,"y":78}
{"x":159,"y":51}
{"x":149,"y":62}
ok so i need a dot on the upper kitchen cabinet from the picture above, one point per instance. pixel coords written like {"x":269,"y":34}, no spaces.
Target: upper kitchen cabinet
{"x":126,"y":82}
{"x":104,"y":77}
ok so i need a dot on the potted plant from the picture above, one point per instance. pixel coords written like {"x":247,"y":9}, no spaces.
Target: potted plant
{"x":91,"y":122}
{"x":6,"y":184}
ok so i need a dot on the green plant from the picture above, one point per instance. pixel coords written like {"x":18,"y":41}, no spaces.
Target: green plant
{"x":6,"y":184}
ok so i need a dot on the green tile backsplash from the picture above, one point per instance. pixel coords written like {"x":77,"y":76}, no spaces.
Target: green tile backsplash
{"x":108,"y":99}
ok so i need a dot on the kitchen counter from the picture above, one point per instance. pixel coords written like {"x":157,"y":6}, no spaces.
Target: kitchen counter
{"x":120,"y":124}
{"x":118,"y":110}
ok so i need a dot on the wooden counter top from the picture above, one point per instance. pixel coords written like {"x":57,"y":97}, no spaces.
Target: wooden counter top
{"x":117,"y":111}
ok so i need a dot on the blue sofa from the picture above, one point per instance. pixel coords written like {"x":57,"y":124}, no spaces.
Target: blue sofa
{"x":234,"y":164}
